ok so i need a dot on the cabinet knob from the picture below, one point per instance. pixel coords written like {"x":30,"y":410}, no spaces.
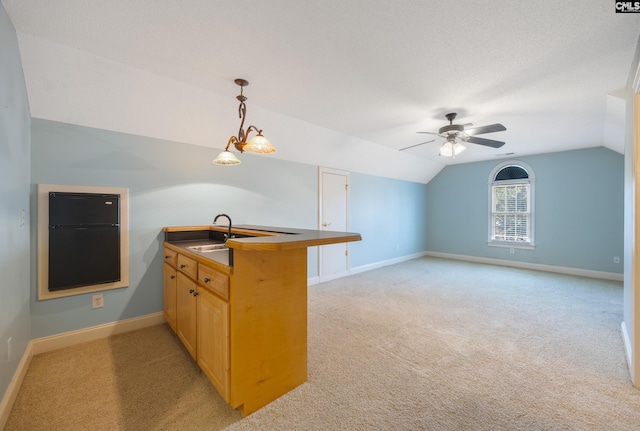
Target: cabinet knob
{"x":207,"y":279}
{"x":183,"y":266}
{"x":167,"y":257}
{"x":173,"y":276}
{"x":195,"y":294}
{"x":191,"y":290}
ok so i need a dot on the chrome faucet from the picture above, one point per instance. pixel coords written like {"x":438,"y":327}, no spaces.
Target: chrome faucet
{"x":228,"y":234}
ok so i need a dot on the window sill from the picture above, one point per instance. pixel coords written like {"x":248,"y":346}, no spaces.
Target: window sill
{"x":512,"y":244}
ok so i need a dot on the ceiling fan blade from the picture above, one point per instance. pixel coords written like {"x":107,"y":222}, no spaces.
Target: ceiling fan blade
{"x":486,"y":142}
{"x":485,"y":129}
{"x":428,"y":133}
{"x":416,"y":145}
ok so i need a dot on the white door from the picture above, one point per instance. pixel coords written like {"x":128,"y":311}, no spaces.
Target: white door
{"x":334,"y":216}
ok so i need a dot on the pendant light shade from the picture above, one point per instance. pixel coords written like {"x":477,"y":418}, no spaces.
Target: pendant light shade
{"x":226,"y":158}
{"x":259,"y":144}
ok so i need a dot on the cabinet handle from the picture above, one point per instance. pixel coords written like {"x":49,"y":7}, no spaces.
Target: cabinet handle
{"x":195,"y":293}
{"x":190,"y":290}
{"x":183,"y":266}
{"x":173,"y":276}
{"x":207,"y":279}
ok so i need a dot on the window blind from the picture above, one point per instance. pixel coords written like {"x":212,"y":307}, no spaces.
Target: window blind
{"x":511,"y":212}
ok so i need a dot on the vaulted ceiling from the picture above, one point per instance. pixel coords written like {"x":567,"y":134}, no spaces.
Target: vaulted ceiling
{"x":342,"y":84}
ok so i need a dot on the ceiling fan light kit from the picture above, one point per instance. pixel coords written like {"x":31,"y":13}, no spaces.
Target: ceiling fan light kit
{"x":454,"y":134}
{"x":451,"y":149}
{"x":257,"y":144}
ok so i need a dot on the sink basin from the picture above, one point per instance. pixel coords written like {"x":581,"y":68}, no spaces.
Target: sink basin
{"x":208,"y":248}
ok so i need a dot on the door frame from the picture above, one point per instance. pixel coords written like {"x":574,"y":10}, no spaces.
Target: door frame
{"x":635,"y":256}
{"x":347,"y":174}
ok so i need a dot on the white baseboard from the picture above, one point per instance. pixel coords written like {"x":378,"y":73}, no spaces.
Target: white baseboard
{"x":535,"y":266}
{"x":363,"y":268}
{"x":14,"y":386}
{"x":524,"y":265}
{"x":627,"y":348}
{"x":334,"y":276}
{"x":66,"y":339}
{"x":54,"y":342}
{"x":376,"y":265}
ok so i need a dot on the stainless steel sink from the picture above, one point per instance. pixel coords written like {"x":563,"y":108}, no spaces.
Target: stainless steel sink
{"x":208,"y":248}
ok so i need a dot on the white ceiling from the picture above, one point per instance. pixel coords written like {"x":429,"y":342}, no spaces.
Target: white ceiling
{"x":338,"y":83}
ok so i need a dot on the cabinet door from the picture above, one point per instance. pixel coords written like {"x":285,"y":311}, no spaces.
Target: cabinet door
{"x":170,"y":295}
{"x":186,"y":312}
{"x":213,"y":339}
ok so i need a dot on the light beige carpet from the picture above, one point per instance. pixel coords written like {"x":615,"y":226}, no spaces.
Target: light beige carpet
{"x":428,"y":344}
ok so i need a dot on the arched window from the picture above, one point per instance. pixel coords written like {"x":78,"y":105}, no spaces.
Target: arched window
{"x":511,"y":205}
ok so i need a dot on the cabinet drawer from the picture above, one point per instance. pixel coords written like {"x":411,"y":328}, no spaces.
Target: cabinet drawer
{"x":188,"y":266}
{"x":216,"y":281}
{"x":170,"y":257}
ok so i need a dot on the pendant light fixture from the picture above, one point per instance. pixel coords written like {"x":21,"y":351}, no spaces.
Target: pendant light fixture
{"x":257,"y":144}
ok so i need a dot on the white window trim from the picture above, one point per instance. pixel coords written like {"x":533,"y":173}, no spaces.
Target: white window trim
{"x":531,"y":180}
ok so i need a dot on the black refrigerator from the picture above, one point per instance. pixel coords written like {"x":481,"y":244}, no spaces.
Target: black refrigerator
{"x":84,"y":239}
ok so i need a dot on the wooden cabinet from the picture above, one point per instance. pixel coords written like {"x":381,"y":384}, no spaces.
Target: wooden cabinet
{"x":196,"y":307}
{"x":251,"y":310}
{"x":246,"y":327}
{"x":213,"y":339}
{"x":169,"y":287}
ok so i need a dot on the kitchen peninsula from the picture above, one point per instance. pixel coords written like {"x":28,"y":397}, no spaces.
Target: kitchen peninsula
{"x":240,"y":307}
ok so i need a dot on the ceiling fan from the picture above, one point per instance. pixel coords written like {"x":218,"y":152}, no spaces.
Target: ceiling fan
{"x":457,"y":133}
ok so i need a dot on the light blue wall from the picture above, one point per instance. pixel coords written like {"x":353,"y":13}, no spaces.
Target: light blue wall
{"x":176,"y":184}
{"x":173,"y":184}
{"x":170,"y":184}
{"x":14,"y":197}
{"x":578,"y":210}
{"x":391,"y":216}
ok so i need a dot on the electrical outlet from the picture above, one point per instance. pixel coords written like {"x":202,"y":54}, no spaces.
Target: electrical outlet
{"x":22,"y":217}
{"x":512,"y":250}
{"x":9,"y":349}
{"x":97,"y":301}
{"x":616,"y":259}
